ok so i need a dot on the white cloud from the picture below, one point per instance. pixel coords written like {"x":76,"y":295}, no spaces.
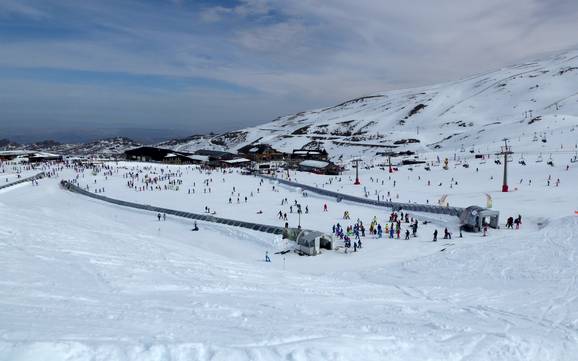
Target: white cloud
{"x":301,"y":53}
{"x":20,"y":8}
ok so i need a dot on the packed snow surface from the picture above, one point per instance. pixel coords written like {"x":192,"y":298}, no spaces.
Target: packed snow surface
{"x":87,"y":280}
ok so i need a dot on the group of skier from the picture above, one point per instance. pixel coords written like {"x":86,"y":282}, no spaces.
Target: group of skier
{"x":512,"y":222}
{"x":392,"y":229}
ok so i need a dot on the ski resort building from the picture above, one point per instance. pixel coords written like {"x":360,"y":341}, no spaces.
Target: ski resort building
{"x":236,"y":162}
{"x":177,"y":158}
{"x":149,"y":154}
{"x":31,"y":156}
{"x":309,"y":154}
{"x":44,"y":157}
{"x":474,"y":218}
{"x":261,"y":153}
{"x":13,"y":154}
{"x":319,"y":167}
{"x":311,"y":242}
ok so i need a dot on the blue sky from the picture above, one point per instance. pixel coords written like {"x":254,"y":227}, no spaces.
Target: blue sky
{"x":185,"y":67}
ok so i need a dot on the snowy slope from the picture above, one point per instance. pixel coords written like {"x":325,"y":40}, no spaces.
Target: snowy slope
{"x":517,"y":101}
{"x":83,"y":280}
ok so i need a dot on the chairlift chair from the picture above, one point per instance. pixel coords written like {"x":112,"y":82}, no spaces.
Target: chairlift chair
{"x":540,"y":159}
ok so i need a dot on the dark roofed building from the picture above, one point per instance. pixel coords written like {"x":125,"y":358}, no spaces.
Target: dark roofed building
{"x":153,"y":154}
{"x":147,"y":154}
{"x":44,"y":157}
{"x":309,"y":154}
{"x":261,"y":152}
{"x":215,"y":157}
{"x":215,"y":154}
{"x":319,"y":167}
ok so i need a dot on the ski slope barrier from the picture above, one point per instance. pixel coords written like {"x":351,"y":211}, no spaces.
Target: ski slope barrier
{"x":23,"y":180}
{"x":291,"y":233}
{"x":416,"y":207}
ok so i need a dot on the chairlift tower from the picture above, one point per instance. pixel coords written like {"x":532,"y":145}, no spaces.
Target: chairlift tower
{"x":356,"y":161}
{"x":506,"y":151}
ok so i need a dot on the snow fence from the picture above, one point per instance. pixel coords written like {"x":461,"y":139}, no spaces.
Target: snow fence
{"x":294,"y":234}
{"x":23,"y":180}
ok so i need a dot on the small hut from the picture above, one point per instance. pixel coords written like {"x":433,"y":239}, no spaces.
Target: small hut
{"x":311,"y":242}
{"x":474,"y":218}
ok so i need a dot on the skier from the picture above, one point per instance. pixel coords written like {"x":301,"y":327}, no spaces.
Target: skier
{"x":407,"y":234}
{"x":267,"y":259}
{"x":325,"y":207}
{"x":195,"y":227}
{"x":435,"y":236}
{"x":159,"y":217}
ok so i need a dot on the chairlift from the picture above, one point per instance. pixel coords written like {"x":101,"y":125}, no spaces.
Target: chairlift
{"x":544,"y":140}
{"x":540,"y":159}
{"x":575,"y":158}
{"x":522,"y":161}
{"x":550,"y":161}
{"x":535,"y":139}
{"x":498,"y":159}
{"x":462,"y":149}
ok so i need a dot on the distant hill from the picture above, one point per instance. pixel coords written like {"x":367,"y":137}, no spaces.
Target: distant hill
{"x":107,"y":146}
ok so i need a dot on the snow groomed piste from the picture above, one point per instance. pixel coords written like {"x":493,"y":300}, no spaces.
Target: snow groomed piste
{"x":308,"y":241}
{"x":396,"y":206}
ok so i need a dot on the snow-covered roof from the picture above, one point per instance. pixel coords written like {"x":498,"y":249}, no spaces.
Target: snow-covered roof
{"x":45,"y":155}
{"x":16,"y":152}
{"x":314,"y":163}
{"x":237,"y":160}
{"x":202,"y":158}
{"x":170,"y":155}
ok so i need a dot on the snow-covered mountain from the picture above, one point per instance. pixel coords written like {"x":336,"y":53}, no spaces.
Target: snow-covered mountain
{"x":106,"y":147}
{"x":527,"y":102}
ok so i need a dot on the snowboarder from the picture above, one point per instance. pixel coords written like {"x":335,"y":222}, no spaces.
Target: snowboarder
{"x":435,"y":236}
